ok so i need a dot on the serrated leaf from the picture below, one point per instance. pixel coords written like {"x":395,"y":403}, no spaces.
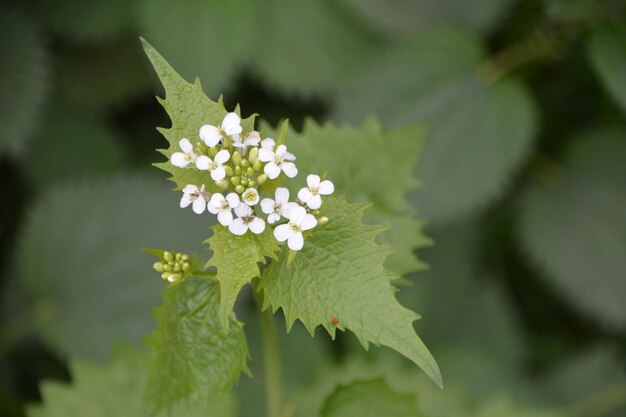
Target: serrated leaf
{"x":114,"y":390}
{"x":71,"y":144}
{"x":405,"y":17}
{"x":339,"y":275}
{"x":573,"y":226}
{"x":79,"y":248}
{"x":607,"y":52}
{"x":369,"y":399}
{"x":192,"y":356}
{"x":76,"y":19}
{"x":369,"y":163}
{"x":310,"y":46}
{"x":237,"y":261}
{"x":208,"y":39}
{"x":189,"y":108}
{"x":23,"y":78}
{"x":479,"y":132}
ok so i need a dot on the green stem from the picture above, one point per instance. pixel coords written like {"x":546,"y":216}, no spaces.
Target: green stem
{"x":271,"y":359}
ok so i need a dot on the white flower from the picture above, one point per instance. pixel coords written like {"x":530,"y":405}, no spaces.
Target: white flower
{"x":268,"y":143}
{"x":275,"y":209}
{"x":212,"y":135}
{"x":195,"y":195}
{"x":252,"y":139}
{"x":299,"y":220}
{"x":311,"y":195}
{"x":182,"y":159}
{"x":246,"y":220}
{"x":222,"y":206}
{"x":250,"y":196}
{"x":214,"y":165}
{"x":276,"y":162}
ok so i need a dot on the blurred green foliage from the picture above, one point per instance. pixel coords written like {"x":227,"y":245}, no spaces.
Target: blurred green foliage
{"x":521,"y":179}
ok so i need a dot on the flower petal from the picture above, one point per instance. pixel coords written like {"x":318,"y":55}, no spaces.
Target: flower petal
{"x":238,"y":227}
{"x":289,"y":168}
{"x":215,"y":203}
{"x":185,"y":145}
{"x":309,"y":222}
{"x":221,"y":157}
{"x":190,"y":189}
{"x":233,"y":200}
{"x":267,"y":205}
{"x":268,"y":143}
{"x":282,"y":195}
{"x":199,"y":205}
{"x":304,"y":194}
{"x":253,"y":138}
{"x":283,"y":232}
{"x":210,"y":135}
{"x":271,"y":170}
{"x":296,"y":241}
{"x":179,"y":160}
{"x":326,"y":187}
{"x":313,"y":181}
{"x":314,"y":202}
{"x":288,"y":208}
{"x":225,"y":217}
{"x":243,"y":210}
{"x":281,"y":150}
{"x":297,"y":215}
{"x":203,"y":162}
{"x":289,"y":156}
{"x":266,"y":155}
{"x":185,"y":200}
{"x":257,"y":225}
{"x":232,"y":124}
{"x":273,"y":218}
{"x":218,"y":173}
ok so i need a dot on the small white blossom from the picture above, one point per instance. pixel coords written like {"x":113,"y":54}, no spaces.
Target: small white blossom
{"x":184,"y":158}
{"x":214,"y":165}
{"x":195,"y":196}
{"x":222,"y":206}
{"x":268,"y":143}
{"x":275,"y":209}
{"x":212,"y":135}
{"x":311,"y":195}
{"x":250,"y":196}
{"x":246,"y":220}
{"x":299,"y":221}
{"x":276,"y":162}
{"x":252,"y":139}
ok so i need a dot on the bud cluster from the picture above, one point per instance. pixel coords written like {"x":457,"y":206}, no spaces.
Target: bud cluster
{"x":239,"y":163}
{"x":174,"y":266}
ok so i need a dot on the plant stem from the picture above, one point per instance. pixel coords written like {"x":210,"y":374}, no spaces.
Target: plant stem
{"x":271,"y":359}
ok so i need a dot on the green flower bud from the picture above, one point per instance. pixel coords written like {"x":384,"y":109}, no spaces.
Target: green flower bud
{"x":174,"y":278}
{"x":158,"y":266}
{"x":322,"y":221}
{"x":229,"y":170}
{"x":244,"y":182}
{"x":167,"y":256}
{"x":240,"y":189}
{"x":238,"y":170}
{"x":177,"y":267}
{"x":236,"y":158}
{"x":212,"y":152}
{"x":253,"y":156}
{"x":261,"y":179}
{"x":185,"y":257}
{"x":186,"y":267}
{"x":177,"y":257}
{"x":245,"y":163}
{"x":164,"y":275}
{"x":315,"y":213}
{"x":250,"y":171}
{"x":257,"y":165}
{"x":223,"y":184}
{"x":235,"y":180}
{"x":167,"y":268}
{"x":251,"y":183}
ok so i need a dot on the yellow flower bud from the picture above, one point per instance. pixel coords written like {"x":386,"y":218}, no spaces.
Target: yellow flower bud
{"x":235,"y":180}
{"x":167,"y":256}
{"x":158,"y":266}
{"x":322,"y":221}
{"x":261,"y":179}
{"x":229,"y":170}
{"x":238,"y":170}
{"x":257,"y":165}
{"x":245,"y":163}
{"x":250,"y":171}
{"x":240,"y":189}
{"x":236,"y":158}
{"x":253,"y":156}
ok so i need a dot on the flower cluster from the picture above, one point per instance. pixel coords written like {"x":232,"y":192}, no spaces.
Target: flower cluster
{"x":243,"y":166}
{"x":173,"y":266}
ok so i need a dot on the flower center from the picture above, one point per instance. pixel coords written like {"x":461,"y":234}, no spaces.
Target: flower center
{"x":247,"y":219}
{"x":212,"y":166}
{"x":294,"y":227}
{"x":314,"y":190}
{"x":250,"y":196}
{"x":278,"y":159}
{"x":278,"y":209}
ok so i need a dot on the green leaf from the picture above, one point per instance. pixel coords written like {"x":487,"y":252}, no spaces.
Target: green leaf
{"x":188,"y":108}
{"x":192,"y":356}
{"x":79,"y":249}
{"x":237,"y":261}
{"x":339,"y":274}
{"x":23,"y":78}
{"x":97,"y":76}
{"x":114,"y":390}
{"x":370,"y":163}
{"x":572,"y":224}
{"x":64,"y":134}
{"x":479,"y":132}
{"x":214,"y":37}
{"x":369,"y":399}
{"x":406,"y":17}
{"x":607,"y":52}
{"x":310,"y":46}
{"x":75,"y":19}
